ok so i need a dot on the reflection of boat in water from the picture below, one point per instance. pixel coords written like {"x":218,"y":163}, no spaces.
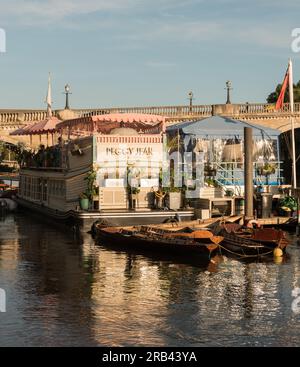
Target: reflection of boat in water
{"x":183,"y":242}
{"x":8,"y":205}
{"x":245,"y":242}
{"x":7,"y":193}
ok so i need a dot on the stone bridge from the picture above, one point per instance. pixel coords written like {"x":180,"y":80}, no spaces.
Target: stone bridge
{"x":257,"y":113}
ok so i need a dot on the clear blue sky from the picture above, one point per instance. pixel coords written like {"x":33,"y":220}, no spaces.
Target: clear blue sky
{"x":144,"y":52}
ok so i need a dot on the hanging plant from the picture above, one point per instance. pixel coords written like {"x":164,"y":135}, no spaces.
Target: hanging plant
{"x":267,"y":169}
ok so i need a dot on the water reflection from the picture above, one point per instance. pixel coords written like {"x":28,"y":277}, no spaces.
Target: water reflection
{"x":68,"y":291}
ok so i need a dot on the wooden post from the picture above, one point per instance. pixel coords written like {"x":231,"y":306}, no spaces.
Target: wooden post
{"x":248,"y":172}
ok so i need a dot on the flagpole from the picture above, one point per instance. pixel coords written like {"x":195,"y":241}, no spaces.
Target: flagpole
{"x":49,"y":98}
{"x":291,"y":93}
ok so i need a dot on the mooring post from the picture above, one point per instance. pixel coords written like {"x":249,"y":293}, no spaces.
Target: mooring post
{"x":298,"y":215}
{"x":248,"y":172}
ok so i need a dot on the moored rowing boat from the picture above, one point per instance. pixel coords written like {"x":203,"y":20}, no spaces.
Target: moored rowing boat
{"x":245,"y":242}
{"x":172,"y":242}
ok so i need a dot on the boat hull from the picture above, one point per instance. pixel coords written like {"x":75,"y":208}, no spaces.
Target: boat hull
{"x":258,"y":243}
{"x":160,"y":245}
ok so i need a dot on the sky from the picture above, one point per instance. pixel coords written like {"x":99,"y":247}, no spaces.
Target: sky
{"x":144,"y":52}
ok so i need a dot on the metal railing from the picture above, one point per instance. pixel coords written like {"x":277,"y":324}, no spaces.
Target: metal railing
{"x":232,"y":174}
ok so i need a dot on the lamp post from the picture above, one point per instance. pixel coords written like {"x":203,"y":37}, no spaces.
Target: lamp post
{"x":191,"y":97}
{"x":228,"y":87}
{"x":67,"y":92}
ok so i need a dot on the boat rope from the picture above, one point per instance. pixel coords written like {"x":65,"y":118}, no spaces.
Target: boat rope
{"x":243,"y":255}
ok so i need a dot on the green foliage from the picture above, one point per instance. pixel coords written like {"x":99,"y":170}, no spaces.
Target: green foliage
{"x":211,"y":182}
{"x":133,"y":190}
{"x":6,"y":151}
{"x":267,"y":169}
{"x":288,"y":203}
{"x":83,"y":195}
{"x":20,"y":152}
{"x":272,"y":98}
{"x":172,"y":189}
{"x":229,"y":192}
{"x":91,"y":190}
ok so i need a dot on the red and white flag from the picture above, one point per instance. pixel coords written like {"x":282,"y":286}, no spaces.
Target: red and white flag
{"x":288,"y":81}
{"x":280,"y":100}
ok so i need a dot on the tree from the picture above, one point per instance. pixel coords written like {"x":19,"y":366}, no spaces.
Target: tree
{"x":4,"y":151}
{"x":272,"y":98}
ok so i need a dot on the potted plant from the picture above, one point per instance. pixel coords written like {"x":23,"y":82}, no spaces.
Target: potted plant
{"x":229,"y":192}
{"x":92,"y":187}
{"x":209,"y":170}
{"x":266,"y":169}
{"x":84,"y":200}
{"x":210,"y":182}
{"x":133,"y":193}
{"x":288,"y":205}
{"x":159,"y":198}
{"x":174,"y":197}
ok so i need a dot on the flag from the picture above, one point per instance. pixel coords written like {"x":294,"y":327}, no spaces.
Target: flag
{"x":280,"y":100}
{"x":49,"y":98}
{"x":291,"y":86}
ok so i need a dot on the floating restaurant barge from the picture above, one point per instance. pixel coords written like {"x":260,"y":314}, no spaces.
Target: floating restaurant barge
{"x":103,"y":168}
{"x":112,"y":169}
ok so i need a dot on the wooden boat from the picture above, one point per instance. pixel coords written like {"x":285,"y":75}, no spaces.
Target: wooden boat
{"x":184,"y":242}
{"x":7,"y":191}
{"x":246,"y":242}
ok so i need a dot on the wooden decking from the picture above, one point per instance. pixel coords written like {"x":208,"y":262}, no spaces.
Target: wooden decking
{"x":274,"y":221}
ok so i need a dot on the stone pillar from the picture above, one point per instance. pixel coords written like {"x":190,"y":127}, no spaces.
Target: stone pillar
{"x":225,"y":109}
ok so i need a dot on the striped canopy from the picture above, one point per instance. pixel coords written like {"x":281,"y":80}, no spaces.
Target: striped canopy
{"x":38,"y":128}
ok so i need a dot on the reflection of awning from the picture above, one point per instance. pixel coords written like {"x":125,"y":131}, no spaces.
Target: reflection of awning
{"x":145,"y":123}
{"x":38,"y":128}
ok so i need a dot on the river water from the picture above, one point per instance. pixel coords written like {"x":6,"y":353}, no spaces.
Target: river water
{"x":68,"y":291}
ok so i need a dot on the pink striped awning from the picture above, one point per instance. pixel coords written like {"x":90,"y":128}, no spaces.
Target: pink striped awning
{"x":145,"y":123}
{"x":38,"y":128}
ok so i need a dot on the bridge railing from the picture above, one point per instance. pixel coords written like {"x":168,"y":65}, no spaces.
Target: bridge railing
{"x":170,"y":111}
{"x":266,"y":108}
{"x":184,"y":112}
{"x":21,"y":116}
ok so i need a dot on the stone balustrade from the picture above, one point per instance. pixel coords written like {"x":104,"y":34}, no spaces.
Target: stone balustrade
{"x":9,"y":119}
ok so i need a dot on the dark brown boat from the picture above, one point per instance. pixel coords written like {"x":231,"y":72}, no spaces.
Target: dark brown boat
{"x":246,"y":242}
{"x":183,"y":242}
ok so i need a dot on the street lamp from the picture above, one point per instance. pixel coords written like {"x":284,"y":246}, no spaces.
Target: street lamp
{"x":67,"y":92}
{"x":191,"y":97}
{"x":229,"y":88}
